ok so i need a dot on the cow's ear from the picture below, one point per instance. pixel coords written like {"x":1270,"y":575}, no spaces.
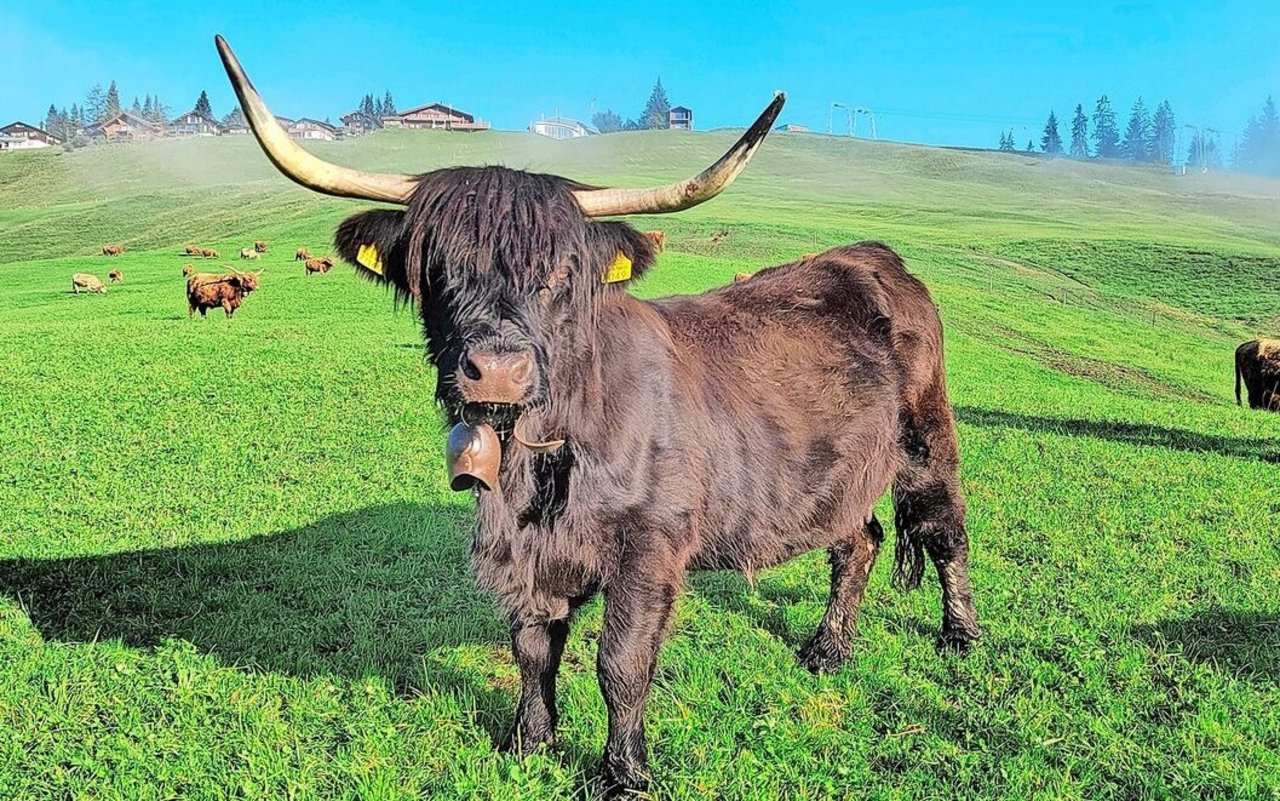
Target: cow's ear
{"x":628,"y":252}
{"x":371,"y":241}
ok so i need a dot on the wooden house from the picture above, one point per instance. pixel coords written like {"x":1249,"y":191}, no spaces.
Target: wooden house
{"x":436,"y":117}
{"x":680,"y":118}
{"x":193,"y":123}
{"x":126,"y":127}
{"x":22,"y":136}
{"x":312,"y":130}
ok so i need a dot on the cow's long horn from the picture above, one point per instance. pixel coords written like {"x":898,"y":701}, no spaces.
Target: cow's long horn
{"x":689,"y":192}
{"x":298,"y":164}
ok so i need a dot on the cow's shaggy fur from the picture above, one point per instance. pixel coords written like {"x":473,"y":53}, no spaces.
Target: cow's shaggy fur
{"x":1258,"y":368}
{"x":730,"y":430}
{"x":211,"y":290}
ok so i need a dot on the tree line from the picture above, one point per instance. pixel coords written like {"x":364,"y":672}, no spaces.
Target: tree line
{"x":1152,"y":138}
{"x":656,"y":115}
{"x":1258,"y":150}
{"x":99,"y":105}
{"x":1147,"y":138}
{"x":377,"y":108}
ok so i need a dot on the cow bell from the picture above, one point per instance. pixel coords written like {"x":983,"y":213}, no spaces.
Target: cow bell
{"x":474,"y":455}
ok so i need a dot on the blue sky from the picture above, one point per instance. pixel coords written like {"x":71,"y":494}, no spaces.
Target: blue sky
{"x":941,"y":74}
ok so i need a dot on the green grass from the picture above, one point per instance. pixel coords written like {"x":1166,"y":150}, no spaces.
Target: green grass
{"x":229,"y":566}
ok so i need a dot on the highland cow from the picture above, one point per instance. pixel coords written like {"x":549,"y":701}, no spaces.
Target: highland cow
{"x":322,"y":265}
{"x":87,"y":282}
{"x":209,"y":291}
{"x":613,"y":444}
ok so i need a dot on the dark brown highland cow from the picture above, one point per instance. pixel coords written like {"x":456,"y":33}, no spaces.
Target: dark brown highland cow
{"x":1258,"y":367}
{"x":615,"y":444}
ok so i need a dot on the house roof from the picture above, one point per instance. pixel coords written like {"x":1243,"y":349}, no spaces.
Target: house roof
{"x":194,"y":113}
{"x":682,"y":108}
{"x":130,"y":119}
{"x":454,"y":110}
{"x":22,"y":126}
{"x":320,"y":123}
{"x":558,"y":120}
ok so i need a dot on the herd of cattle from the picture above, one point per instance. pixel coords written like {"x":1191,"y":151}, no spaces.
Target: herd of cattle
{"x":1257,"y":361}
{"x":207,"y":290}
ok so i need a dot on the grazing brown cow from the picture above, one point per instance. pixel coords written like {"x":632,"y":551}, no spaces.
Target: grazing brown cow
{"x":209,"y":253}
{"x":322,"y":265}
{"x":249,"y":254}
{"x":260,"y":246}
{"x":112,"y":250}
{"x":740,"y":277}
{"x":87,"y":282}
{"x":209,"y":290}
{"x":192,"y":250}
{"x":116,"y":276}
{"x":188,"y":270}
{"x":612,"y":444}
{"x":1258,"y":366}
{"x":658,"y":238}
{"x":301,"y":254}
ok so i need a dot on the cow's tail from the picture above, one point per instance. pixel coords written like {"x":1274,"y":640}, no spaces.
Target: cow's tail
{"x":1238,"y":380}
{"x":908,"y":550}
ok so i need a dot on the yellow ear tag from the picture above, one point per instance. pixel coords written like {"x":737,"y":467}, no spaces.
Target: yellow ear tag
{"x":367,"y":257}
{"x":620,"y":270}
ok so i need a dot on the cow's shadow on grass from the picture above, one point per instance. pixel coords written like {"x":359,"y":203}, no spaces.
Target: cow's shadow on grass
{"x":1260,"y":450}
{"x":1245,"y":645}
{"x":373,"y":592}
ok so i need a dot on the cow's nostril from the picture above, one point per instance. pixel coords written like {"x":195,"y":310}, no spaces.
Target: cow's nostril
{"x":469,"y":369}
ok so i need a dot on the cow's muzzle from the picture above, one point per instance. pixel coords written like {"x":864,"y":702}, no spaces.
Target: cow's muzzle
{"x":486,"y":376}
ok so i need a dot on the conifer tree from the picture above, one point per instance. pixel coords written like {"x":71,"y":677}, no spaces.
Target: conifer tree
{"x":1106,"y":137}
{"x":1051,"y":141}
{"x":657,"y":112}
{"x":1079,"y":134}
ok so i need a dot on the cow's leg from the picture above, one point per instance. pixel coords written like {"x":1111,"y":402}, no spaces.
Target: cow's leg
{"x":635,"y":617}
{"x":226,"y":307}
{"x":536,"y":646}
{"x":929,"y":513}
{"x":851,"y":563}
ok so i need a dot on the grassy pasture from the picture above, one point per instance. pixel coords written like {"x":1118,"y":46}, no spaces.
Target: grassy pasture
{"x":229,"y":566}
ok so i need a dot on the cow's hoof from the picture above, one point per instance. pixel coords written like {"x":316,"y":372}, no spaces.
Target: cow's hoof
{"x":820,"y":655}
{"x":956,"y":640}
{"x":624,"y":779}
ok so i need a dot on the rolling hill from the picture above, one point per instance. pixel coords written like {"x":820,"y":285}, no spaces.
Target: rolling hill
{"x":229,"y":564}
